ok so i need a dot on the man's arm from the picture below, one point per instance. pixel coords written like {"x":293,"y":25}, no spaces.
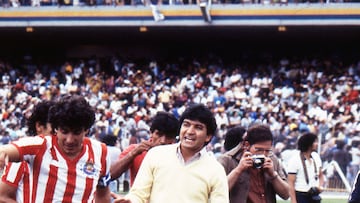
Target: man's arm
{"x":281,"y":187}
{"x":119,"y":199}
{"x":7,"y":193}
{"x":321,"y":180}
{"x":291,"y":180}
{"x":8,"y":153}
{"x":102,"y":194}
{"x":275,"y":177}
{"x":123,"y":164}
{"x":244,"y":163}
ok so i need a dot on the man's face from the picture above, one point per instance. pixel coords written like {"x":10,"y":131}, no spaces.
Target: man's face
{"x":70,"y":142}
{"x":262,"y":148}
{"x":193,"y":135}
{"x":158,"y":138}
{"x":315,"y":145}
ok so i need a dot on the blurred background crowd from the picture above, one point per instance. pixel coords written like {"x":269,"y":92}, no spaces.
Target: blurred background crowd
{"x":292,"y":95}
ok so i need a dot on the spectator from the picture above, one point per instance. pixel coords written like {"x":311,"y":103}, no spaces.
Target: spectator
{"x":167,"y":171}
{"x":304,"y":171}
{"x":249,"y":182}
{"x":233,"y":137}
{"x":342,"y":156}
{"x":163,"y":130}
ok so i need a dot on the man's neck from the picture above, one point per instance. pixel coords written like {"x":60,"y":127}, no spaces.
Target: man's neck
{"x":307,"y":154}
{"x":187,"y":154}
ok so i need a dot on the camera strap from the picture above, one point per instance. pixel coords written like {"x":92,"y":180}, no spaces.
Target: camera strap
{"x":305,"y":170}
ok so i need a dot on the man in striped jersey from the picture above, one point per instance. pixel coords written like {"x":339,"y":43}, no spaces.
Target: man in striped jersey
{"x":67,"y":166}
{"x":14,"y":185}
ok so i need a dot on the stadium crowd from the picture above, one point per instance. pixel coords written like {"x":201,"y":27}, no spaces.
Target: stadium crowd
{"x":291,"y":95}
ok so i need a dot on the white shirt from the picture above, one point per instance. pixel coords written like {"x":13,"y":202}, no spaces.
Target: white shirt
{"x":295,"y":167}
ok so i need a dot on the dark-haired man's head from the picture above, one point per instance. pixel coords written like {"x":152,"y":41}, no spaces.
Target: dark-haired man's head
{"x":71,"y":118}
{"x":259,"y":139}
{"x":197,"y":127}
{"x":233,"y":137}
{"x":37,"y":122}
{"x":164,"y":128}
{"x":307,"y":141}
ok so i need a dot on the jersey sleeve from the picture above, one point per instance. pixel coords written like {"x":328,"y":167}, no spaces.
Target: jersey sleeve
{"x":13,"y":173}
{"x":29,"y":145}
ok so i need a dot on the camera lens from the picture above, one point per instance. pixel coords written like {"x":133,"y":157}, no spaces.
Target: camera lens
{"x":258,"y":161}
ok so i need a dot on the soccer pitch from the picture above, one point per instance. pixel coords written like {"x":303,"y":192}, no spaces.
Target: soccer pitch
{"x":322,"y":201}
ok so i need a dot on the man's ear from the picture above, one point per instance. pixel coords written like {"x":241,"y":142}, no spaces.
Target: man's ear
{"x":39,"y":128}
{"x":208,"y":138}
{"x":246,"y":145}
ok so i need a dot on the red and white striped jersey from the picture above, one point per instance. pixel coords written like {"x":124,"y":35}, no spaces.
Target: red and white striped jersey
{"x":16,"y":174}
{"x":55,"y":178}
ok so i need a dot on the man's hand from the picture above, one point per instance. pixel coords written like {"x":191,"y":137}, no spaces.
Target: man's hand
{"x":269,"y":167}
{"x":119,"y":199}
{"x":245,"y":161}
{"x":143,"y":146}
{"x":4,"y":159}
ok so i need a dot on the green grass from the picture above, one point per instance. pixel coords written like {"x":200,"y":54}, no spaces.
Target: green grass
{"x":322,"y":201}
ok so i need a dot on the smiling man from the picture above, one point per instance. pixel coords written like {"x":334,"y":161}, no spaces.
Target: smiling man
{"x":182,"y":172}
{"x":67,"y":166}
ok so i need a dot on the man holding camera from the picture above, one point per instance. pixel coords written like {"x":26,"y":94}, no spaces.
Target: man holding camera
{"x":254,"y":173}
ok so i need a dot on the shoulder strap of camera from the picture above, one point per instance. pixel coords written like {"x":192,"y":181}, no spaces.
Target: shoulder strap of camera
{"x":302,"y":157}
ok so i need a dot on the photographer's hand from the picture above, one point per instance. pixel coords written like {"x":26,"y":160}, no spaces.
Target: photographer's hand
{"x":244,"y":163}
{"x":269,"y":167}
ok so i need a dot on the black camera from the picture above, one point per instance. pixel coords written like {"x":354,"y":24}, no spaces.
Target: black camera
{"x":314,"y":191}
{"x":314,"y":194}
{"x":258,"y":160}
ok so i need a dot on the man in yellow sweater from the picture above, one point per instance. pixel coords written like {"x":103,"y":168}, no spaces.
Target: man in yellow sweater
{"x":183,"y":172}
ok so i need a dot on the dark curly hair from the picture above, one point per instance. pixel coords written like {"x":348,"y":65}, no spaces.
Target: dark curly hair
{"x":258,"y":133}
{"x":165,"y":123}
{"x":39,"y":115}
{"x":306,"y":141}
{"x":201,"y":113}
{"x":72,"y":112}
{"x":233,"y":137}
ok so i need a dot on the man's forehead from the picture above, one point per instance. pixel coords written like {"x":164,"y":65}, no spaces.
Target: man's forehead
{"x":194,"y":122}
